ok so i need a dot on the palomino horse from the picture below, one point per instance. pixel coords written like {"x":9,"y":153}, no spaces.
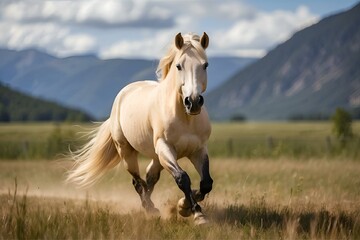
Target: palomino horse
{"x":163,"y":120}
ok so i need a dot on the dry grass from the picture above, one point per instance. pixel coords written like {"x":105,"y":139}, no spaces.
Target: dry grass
{"x":258,"y":199}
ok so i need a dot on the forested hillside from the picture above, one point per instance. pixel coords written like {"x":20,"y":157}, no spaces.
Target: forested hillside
{"x":16,"y":106}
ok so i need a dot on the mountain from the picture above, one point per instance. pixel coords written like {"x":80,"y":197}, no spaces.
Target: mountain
{"x":16,"y":106}
{"x":84,"y":82}
{"x":87,"y":82}
{"x":222,"y":68}
{"x":315,"y":71}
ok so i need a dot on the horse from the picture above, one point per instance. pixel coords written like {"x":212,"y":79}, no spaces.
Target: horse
{"x":164,"y":120}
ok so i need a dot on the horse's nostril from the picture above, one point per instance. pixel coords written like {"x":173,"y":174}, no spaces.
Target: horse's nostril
{"x":187,"y":102}
{"x":201,"y":100}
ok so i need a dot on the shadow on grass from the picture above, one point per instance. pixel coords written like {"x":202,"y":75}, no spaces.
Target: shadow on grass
{"x":308,"y":222}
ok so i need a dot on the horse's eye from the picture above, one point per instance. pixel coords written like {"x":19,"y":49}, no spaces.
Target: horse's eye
{"x":178,"y":66}
{"x":206,"y":65}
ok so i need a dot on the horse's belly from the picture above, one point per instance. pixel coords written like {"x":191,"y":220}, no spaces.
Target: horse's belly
{"x":134,"y":115}
{"x":143,"y":144}
{"x":138,"y":132}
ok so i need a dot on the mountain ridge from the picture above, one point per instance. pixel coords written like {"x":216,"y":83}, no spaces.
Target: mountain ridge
{"x":313,"y":72}
{"x":88,"y":82}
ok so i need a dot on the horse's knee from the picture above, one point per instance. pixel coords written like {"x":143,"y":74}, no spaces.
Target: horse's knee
{"x":139,"y":185}
{"x":152,"y":179}
{"x":206,"y":186}
{"x":182,"y":180}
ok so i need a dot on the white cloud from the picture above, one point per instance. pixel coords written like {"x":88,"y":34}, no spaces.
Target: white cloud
{"x":235,"y":10}
{"x":106,"y":13}
{"x":148,"y":47}
{"x":77,"y":44}
{"x":50,"y":37}
{"x":264,"y":30}
{"x":20,"y":36}
{"x":248,"y":32}
{"x":143,"y":28}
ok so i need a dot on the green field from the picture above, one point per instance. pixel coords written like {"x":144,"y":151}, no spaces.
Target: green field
{"x":271,"y":181}
{"x":241,"y":140}
{"x":281,"y":139}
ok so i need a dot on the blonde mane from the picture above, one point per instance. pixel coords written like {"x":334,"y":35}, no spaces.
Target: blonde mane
{"x":190,"y":40}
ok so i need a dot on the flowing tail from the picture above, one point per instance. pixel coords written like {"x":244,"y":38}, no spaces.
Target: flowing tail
{"x":94,"y":158}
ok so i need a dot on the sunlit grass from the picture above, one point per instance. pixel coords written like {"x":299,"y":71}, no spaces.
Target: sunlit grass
{"x":26,"y":217}
{"x":251,"y":199}
{"x":271,"y":180}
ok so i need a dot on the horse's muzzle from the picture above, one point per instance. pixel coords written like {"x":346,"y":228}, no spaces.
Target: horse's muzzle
{"x":193,"y":105}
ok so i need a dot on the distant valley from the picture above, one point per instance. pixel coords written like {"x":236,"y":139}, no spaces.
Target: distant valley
{"x":87,"y":82}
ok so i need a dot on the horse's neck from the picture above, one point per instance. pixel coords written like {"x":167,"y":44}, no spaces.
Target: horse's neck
{"x":171,"y":100}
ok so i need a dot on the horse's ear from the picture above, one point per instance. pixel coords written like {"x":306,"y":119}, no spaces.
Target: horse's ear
{"x":204,"y":40}
{"x":179,"y":41}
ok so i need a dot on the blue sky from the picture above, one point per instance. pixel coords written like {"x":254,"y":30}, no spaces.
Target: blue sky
{"x":144,"y":28}
{"x":320,"y":7}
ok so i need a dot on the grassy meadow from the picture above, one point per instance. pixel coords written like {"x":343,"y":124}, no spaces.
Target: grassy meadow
{"x":281,"y":139}
{"x":295,"y":140}
{"x":271,"y":180}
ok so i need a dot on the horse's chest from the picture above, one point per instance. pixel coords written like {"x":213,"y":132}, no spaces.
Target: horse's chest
{"x":185,"y":141}
{"x":187,"y":144}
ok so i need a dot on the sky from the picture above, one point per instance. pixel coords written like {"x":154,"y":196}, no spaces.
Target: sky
{"x":145,"y":28}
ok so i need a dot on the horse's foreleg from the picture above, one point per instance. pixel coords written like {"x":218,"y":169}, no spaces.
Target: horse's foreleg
{"x":168,"y":159}
{"x":201,"y":163}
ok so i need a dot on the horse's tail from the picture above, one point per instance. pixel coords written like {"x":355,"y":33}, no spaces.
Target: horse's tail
{"x":94,"y":158}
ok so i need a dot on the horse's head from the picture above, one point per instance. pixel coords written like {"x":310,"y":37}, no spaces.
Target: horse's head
{"x":187,"y":63}
{"x":191,"y":64}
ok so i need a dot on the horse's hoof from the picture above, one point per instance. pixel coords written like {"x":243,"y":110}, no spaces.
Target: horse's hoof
{"x":200,"y":219}
{"x":184,"y":208}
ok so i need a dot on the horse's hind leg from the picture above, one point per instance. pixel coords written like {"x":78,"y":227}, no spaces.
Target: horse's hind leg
{"x":152,"y":175}
{"x":131,"y":164}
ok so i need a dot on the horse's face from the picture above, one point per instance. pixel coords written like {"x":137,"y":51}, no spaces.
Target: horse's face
{"x":191,"y":75}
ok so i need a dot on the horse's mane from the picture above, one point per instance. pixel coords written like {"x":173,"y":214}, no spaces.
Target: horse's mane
{"x":190,"y":40}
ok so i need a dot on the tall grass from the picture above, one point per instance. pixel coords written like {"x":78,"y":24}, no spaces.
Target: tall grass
{"x":41,"y":218}
{"x":252,"y":196}
{"x":261,"y":199}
